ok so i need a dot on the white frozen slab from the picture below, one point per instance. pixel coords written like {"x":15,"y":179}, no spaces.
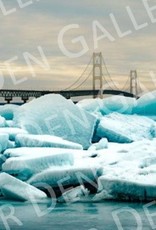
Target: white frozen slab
{"x":12,"y":132}
{"x":15,"y":189}
{"x":28,"y":140}
{"x":25,"y":166}
{"x":36,"y":151}
{"x":114,"y":188}
{"x":125,"y":128}
{"x":68,"y":175}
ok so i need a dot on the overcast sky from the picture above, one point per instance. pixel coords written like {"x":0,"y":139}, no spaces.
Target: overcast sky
{"x":25,"y":28}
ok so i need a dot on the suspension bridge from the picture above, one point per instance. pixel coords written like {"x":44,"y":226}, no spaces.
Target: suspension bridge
{"x":96,"y":71}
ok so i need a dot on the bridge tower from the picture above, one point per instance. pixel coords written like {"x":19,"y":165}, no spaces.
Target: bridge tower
{"x":134,"y":83}
{"x":97,"y":73}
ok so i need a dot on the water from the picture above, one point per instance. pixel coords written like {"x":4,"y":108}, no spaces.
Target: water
{"x":73,"y":216}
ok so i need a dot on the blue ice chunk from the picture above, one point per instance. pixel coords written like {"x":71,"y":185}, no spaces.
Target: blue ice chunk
{"x":115,"y":188}
{"x":2,"y":160}
{"x":7,"y":111}
{"x":26,"y":166}
{"x":3,"y":122}
{"x":91,"y":105}
{"x":12,"y":188}
{"x":120,"y":104}
{"x":54,"y":115}
{"x":146,"y":105}
{"x":4,"y":141}
{"x":12,"y":132}
{"x":67,"y":175}
{"x":125,"y":128}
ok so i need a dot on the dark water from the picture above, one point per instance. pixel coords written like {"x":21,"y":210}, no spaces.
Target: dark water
{"x":81,"y":216}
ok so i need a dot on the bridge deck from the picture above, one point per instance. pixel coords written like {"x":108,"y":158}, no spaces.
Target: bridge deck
{"x":9,"y":94}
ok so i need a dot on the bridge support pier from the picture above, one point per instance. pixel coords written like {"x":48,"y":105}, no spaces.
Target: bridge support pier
{"x":25,"y":98}
{"x":97,"y":73}
{"x":134,"y":83}
{"x":8,"y":99}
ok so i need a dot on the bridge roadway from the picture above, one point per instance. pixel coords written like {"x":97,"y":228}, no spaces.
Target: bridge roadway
{"x":9,"y":94}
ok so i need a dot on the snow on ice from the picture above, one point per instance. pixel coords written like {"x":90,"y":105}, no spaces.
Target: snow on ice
{"x":36,"y":151}
{"x":102,"y":144}
{"x":127,"y":172}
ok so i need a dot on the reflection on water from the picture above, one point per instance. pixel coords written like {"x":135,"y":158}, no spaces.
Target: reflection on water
{"x":73,"y":216}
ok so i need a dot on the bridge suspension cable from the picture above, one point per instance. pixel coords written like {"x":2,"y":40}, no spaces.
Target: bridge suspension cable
{"x":141,"y":88}
{"x":83,"y":80}
{"x":108,"y":74}
{"x":111,"y":84}
{"x":79,"y":78}
{"x":126,"y":85}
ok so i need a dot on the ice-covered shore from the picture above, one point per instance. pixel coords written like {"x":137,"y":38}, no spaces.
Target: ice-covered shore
{"x":106,"y":147}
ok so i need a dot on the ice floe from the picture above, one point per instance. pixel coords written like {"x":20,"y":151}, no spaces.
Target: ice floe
{"x":125,"y":128}
{"x":44,"y":142}
{"x":7,"y":111}
{"x":91,"y":105}
{"x":36,"y":151}
{"x":4,"y":141}
{"x":25,"y":166}
{"x":68,"y":175}
{"x":15,"y":189}
{"x":54,"y":115}
{"x":123,"y":189}
{"x":120,"y":104}
{"x":128,"y":171}
{"x":28,"y":140}
{"x":12,"y":132}
{"x":146,"y":105}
